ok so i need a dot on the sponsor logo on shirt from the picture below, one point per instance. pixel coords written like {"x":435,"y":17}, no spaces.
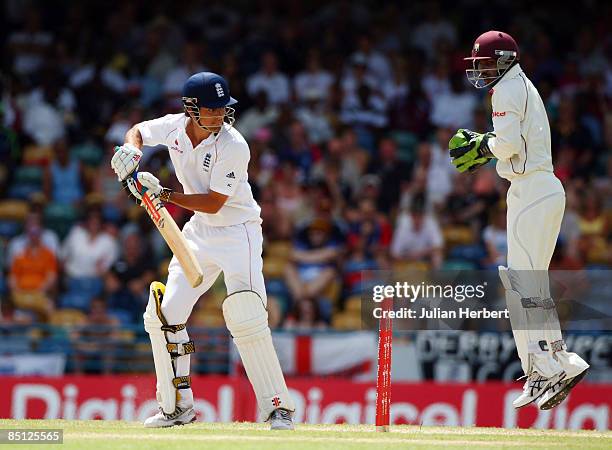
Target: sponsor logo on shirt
{"x":498,"y":114}
{"x":175,"y":147}
{"x":206,"y":163}
{"x":230,"y":175}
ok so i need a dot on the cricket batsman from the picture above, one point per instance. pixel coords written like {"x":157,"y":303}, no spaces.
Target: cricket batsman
{"x":536,"y":201}
{"x":210,"y":159}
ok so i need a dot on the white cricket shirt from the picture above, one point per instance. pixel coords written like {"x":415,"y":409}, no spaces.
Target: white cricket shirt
{"x":217,"y":164}
{"x":522,"y":142}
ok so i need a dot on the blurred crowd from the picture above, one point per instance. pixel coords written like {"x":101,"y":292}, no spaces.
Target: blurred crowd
{"x":347,"y":107}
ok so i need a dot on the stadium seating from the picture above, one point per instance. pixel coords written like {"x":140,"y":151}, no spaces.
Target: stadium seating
{"x":60,"y":218}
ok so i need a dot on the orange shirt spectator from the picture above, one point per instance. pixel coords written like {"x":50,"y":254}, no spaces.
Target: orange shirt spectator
{"x":35,"y":269}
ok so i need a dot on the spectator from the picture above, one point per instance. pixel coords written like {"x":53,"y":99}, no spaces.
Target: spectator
{"x":260,"y":115}
{"x":157,"y":56}
{"x":33,"y":271}
{"x":43,"y":121}
{"x":314,"y":81}
{"x":352,"y":154}
{"x":136,"y":266}
{"x":593,"y":230}
{"x":288,"y":192}
{"x":191,"y":62}
{"x":358,"y":260}
{"x":463,"y":206}
{"x":570,"y":225}
{"x":434,"y":159}
{"x":54,"y":93}
{"x":409,"y":109}
{"x":89,"y":251}
{"x":365,"y":111}
{"x":270,"y":80}
{"x":63,"y":181}
{"x":48,"y":238}
{"x":562,"y":260}
{"x":437,"y":81}
{"x":314,"y":117}
{"x":93,"y":354}
{"x":432,"y":30}
{"x":277,"y":223}
{"x":299,"y":150}
{"x":317,"y":247}
{"x":377,"y":63}
{"x":98,"y":90}
{"x":366,"y":224}
{"x":454,"y":109}
{"x":417,"y":236}
{"x":356,"y":74}
{"x":391,"y":172}
{"x":496,"y":240}
{"x":305,"y":316}
{"x":30,"y":45}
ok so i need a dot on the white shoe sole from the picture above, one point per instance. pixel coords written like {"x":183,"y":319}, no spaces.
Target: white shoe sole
{"x":564,"y":392}
{"x":537,"y":397}
{"x":190,"y":419}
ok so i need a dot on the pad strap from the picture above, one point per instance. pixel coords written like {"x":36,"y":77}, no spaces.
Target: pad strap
{"x":557,"y":346}
{"x":182,"y":382}
{"x":538,"y":302}
{"x":176,"y":350}
{"x":172,"y":328}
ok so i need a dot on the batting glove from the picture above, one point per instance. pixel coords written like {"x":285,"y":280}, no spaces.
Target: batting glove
{"x":125,"y":160}
{"x":149,"y":183}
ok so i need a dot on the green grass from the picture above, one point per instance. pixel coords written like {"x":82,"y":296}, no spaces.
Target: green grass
{"x":86,"y":434}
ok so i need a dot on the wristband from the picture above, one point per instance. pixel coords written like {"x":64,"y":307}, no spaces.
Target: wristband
{"x":165,"y":194}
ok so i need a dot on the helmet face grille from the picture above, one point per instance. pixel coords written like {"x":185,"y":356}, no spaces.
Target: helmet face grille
{"x":482,"y":78}
{"x":190,"y":106}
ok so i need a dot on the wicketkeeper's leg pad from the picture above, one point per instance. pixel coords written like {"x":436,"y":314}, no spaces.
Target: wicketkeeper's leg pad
{"x":246,"y":318}
{"x":534,"y":320}
{"x":171,"y":349}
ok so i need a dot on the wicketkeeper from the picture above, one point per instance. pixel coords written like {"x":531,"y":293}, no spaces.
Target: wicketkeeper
{"x":536,"y":200}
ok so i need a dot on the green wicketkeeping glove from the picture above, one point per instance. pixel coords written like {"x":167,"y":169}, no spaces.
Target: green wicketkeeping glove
{"x":470,"y":150}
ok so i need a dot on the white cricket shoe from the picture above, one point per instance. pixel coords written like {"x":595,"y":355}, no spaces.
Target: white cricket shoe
{"x":162,"y":420}
{"x":535,"y":386}
{"x":280,"y":419}
{"x":560,"y":390}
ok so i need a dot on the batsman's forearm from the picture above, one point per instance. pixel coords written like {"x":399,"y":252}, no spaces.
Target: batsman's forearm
{"x":196,"y":202}
{"x":134,"y":137}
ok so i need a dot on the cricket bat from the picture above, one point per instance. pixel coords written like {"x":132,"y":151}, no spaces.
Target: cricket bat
{"x":173,"y":237}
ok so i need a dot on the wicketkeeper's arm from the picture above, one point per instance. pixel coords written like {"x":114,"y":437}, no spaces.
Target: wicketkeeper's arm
{"x":508,"y":110}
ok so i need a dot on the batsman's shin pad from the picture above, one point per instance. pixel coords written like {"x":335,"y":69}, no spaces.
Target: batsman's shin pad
{"x":247,"y":320}
{"x":534,"y":320}
{"x":171,"y":349}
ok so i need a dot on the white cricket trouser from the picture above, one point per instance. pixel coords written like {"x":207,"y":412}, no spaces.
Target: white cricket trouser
{"x":234,"y":250}
{"x":535,"y":209}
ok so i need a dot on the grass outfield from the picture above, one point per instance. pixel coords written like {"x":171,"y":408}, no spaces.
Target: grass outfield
{"x":90,"y":434}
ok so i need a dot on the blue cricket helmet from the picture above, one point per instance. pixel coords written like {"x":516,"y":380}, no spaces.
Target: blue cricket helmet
{"x":207,"y":90}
